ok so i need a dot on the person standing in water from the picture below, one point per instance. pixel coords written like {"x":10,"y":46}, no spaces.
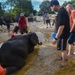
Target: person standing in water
{"x":62,"y":29}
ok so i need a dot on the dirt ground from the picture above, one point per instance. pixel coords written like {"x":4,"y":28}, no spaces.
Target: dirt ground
{"x":43,"y":61}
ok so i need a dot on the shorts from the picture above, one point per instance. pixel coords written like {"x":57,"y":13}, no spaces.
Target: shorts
{"x":61,"y":44}
{"x":71,"y":38}
{"x":24,"y":30}
{"x":48,"y":21}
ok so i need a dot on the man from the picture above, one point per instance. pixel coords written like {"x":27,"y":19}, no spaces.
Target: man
{"x":43,"y":15}
{"x":62,"y":28}
{"x":22,"y":24}
{"x":47,"y":17}
{"x":71,"y":39}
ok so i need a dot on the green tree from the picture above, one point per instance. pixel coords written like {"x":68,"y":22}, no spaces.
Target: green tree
{"x":45,"y":6}
{"x":1,"y":10}
{"x":69,"y":2}
{"x":65,"y":3}
{"x":18,"y":6}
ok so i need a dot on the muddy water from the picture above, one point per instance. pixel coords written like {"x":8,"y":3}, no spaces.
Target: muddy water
{"x":43,"y":60}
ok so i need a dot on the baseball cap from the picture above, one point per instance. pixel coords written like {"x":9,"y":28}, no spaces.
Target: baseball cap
{"x":54,"y":2}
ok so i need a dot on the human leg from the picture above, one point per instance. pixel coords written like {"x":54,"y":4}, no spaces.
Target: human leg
{"x":8,"y":27}
{"x":47,"y":23}
{"x":70,"y":42}
{"x":25,"y":30}
{"x":61,"y":45}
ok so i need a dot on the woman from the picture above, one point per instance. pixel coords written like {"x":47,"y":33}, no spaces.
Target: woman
{"x":22,"y":24}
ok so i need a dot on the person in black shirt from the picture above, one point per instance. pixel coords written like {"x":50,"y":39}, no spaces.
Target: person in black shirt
{"x":62,"y":29}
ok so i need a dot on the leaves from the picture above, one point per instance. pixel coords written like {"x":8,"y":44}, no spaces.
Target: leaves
{"x":45,"y":6}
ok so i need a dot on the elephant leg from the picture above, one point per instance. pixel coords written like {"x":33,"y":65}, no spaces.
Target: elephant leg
{"x":10,"y":70}
{"x":15,"y":65}
{"x":31,"y":48}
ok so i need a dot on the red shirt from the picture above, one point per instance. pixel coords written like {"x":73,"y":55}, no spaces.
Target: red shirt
{"x":72,"y":16}
{"x":22,"y":22}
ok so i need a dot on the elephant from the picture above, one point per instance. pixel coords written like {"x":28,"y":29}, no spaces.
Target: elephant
{"x":14,"y":51}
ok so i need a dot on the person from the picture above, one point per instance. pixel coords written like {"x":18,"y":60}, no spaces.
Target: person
{"x":43,"y":15}
{"x":71,"y":38}
{"x":14,"y":32}
{"x":8,"y":23}
{"x":22,"y":23}
{"x":54,"y":24}
{"x":1,"y":21}
{"x":30,"y":18}
{"x":62,"y":29}
{"x":47,"y":18}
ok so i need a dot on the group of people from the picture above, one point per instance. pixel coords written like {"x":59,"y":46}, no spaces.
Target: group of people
{"x":65,"y":29}
{"x":6,"y":21}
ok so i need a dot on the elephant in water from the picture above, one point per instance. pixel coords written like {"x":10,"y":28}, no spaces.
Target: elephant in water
{"x":14,"y":51}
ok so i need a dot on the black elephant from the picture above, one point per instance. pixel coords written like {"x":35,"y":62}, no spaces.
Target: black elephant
{"x":14,"y":51}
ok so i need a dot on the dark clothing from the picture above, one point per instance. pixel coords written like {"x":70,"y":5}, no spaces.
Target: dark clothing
{"x":7,"y":22}
{"x":24,"y":30}
{"x":48,"y":21}
{"x":1,"y":21}
{"x":63,"y":20}
{"x":71,"y":38}
{"x":61,"y":44}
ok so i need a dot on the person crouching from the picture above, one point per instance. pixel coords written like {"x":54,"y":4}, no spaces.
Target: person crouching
{"x":15,"y":32}
{"x":22,"y":24}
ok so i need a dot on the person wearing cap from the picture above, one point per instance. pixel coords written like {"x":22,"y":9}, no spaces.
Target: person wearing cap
{"x":62,"y":29}
{"x":71,"y":38}
{"x":22,"y":24}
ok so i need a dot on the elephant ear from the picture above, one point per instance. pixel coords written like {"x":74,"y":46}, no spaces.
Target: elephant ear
{"x":34,"y":39}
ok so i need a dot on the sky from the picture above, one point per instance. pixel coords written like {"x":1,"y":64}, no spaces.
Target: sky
{"x":36,"y":3}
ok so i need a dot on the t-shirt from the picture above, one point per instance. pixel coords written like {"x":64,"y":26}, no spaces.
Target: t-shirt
{"x":47,"y":16}
{"x":63,"y":20}
{"x":22,"y":22}
{"x":72,"y":16}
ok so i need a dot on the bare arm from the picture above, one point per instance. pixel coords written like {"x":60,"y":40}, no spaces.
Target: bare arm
{"x":60,"y":30}
{"x":73,"y":25}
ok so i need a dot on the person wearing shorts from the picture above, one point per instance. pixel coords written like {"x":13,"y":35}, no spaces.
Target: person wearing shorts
{"x":62,"y":29}
{"x":71,"y":39}
{"x":47,"y":17}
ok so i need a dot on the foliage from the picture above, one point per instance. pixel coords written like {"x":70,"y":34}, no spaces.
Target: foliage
{"x":15,"y":7}
{"x":69,"y":2}
{"x":18,"y":6}
{"x":45,"y":7}
{"x":1,"y":10}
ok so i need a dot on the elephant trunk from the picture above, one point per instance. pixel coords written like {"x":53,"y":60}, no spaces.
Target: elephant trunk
{"x":39,"y":43}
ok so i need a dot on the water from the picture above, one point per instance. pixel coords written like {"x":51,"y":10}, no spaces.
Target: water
{"x":43,"y":60}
